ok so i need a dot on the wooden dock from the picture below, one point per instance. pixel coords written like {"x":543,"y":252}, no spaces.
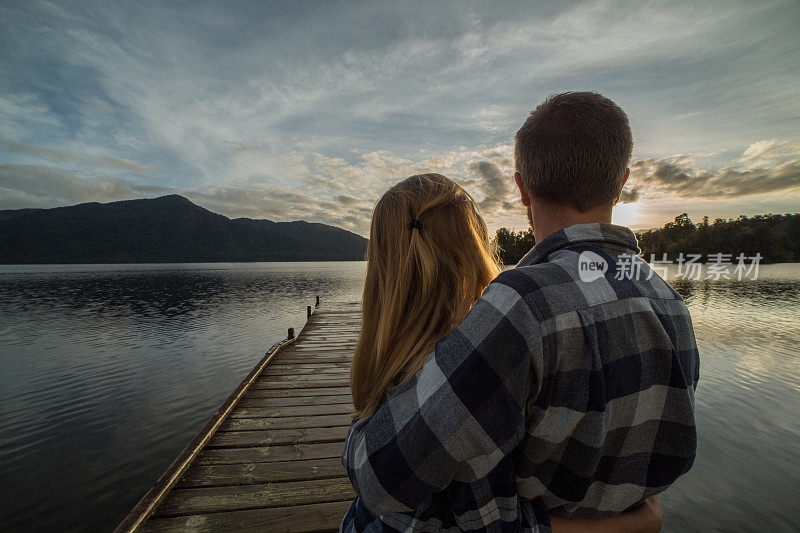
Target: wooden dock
{"x":270,"y":457}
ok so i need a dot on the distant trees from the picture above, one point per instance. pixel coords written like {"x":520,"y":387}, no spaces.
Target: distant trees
{"x":512,"y":245}
{"x":775,"y":237}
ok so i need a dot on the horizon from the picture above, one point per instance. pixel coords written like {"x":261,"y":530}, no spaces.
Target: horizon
{"x":635,"y":230}
{"x":246,"y":113}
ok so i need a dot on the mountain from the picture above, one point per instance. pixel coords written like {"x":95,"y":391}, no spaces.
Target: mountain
{"x":169,"y":229}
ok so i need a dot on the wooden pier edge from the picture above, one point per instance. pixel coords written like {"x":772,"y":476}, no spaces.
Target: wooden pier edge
{"x":153,"y":498}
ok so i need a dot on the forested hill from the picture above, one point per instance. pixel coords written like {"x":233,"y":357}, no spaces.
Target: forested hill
{"x":169,"y":229}
{"x":775,"y":237}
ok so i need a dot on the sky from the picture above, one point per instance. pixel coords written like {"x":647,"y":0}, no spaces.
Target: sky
{"x":311,"y":110}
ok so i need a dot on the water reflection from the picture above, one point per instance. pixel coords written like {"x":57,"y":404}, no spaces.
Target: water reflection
{"x":748,"y":406}
{"x":109,"y":370}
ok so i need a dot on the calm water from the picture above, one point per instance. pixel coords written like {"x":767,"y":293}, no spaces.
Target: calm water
{"x":106,"y":371}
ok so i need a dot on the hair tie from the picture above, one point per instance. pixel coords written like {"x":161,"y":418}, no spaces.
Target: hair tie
{"x":415,"y":224}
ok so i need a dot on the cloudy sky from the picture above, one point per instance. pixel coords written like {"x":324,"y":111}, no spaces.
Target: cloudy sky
{"x":310,"y":110}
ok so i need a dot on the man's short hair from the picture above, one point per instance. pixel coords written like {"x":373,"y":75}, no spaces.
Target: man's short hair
{"x":573,"y":150}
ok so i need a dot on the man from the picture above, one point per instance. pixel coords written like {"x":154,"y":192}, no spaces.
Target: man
{"x":580,"y":363}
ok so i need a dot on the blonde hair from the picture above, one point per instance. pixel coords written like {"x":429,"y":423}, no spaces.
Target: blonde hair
{"x":421,"y":281}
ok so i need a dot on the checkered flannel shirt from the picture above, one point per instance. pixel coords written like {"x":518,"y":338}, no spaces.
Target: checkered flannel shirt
{"x":554,"y":395}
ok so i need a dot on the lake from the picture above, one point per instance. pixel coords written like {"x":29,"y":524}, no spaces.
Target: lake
{"x":107,"y":371}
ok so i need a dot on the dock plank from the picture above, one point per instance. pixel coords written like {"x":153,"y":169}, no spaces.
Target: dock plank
{"x":291,"y":410}
{"x":301,"y":384}
{"x":269,"y":437}
{"x":309,"y":368}
{"x":271,"y":379}
{"x":255,"y":401}
{"x":285,"y":422}
{"x":290,"y":393}
{"x":239,"y":474}
{"x":312,"y":517}
{"x":267,"y":454}
{"x":240,"y":497}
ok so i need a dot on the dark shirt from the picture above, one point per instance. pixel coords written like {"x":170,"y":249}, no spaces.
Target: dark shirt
{"x":568,"y":388}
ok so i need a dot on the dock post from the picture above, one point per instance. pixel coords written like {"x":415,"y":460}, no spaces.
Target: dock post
{"x":291,"y":333}
{"x":308,"y":311}
{"x":317,"y":304}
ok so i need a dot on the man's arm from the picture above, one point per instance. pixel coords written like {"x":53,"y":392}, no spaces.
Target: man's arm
{"x":647,"y":518}
{"x":459,"y":415}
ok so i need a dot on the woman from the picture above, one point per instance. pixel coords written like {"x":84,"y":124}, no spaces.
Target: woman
{"x":428,"y":260}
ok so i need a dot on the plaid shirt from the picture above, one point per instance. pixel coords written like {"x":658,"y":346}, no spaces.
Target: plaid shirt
{"x":566,"y":389}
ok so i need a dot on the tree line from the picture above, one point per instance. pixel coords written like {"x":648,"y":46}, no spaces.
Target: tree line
{"x":775,"y":237}
{"x":512,"y":245}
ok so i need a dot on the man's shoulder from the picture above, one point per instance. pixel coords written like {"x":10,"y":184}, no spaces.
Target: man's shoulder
{"x":557,"y":286}
{"x":539,"y":286}
{"x":528,"y":279}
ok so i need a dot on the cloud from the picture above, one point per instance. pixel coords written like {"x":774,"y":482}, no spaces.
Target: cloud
{"x":765,"y":167}
{"x":251,"y":112}
{"x":61,"y":156}
{"x":769,"y":152}
{"x":493,"y":185}
{"x":317,"y":188}
{"x":349,"y":200}
{"x":629,"y":196}
{"x":275,"y":204}
{"x":360,"y":180}
{"x":25,"y":114}
{"x":44,"y":186}
{"x":154,"y":190}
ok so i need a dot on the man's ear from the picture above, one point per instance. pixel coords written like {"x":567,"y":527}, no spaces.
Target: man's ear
{"x":624,"y":180}
{"x":526,"y":200}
